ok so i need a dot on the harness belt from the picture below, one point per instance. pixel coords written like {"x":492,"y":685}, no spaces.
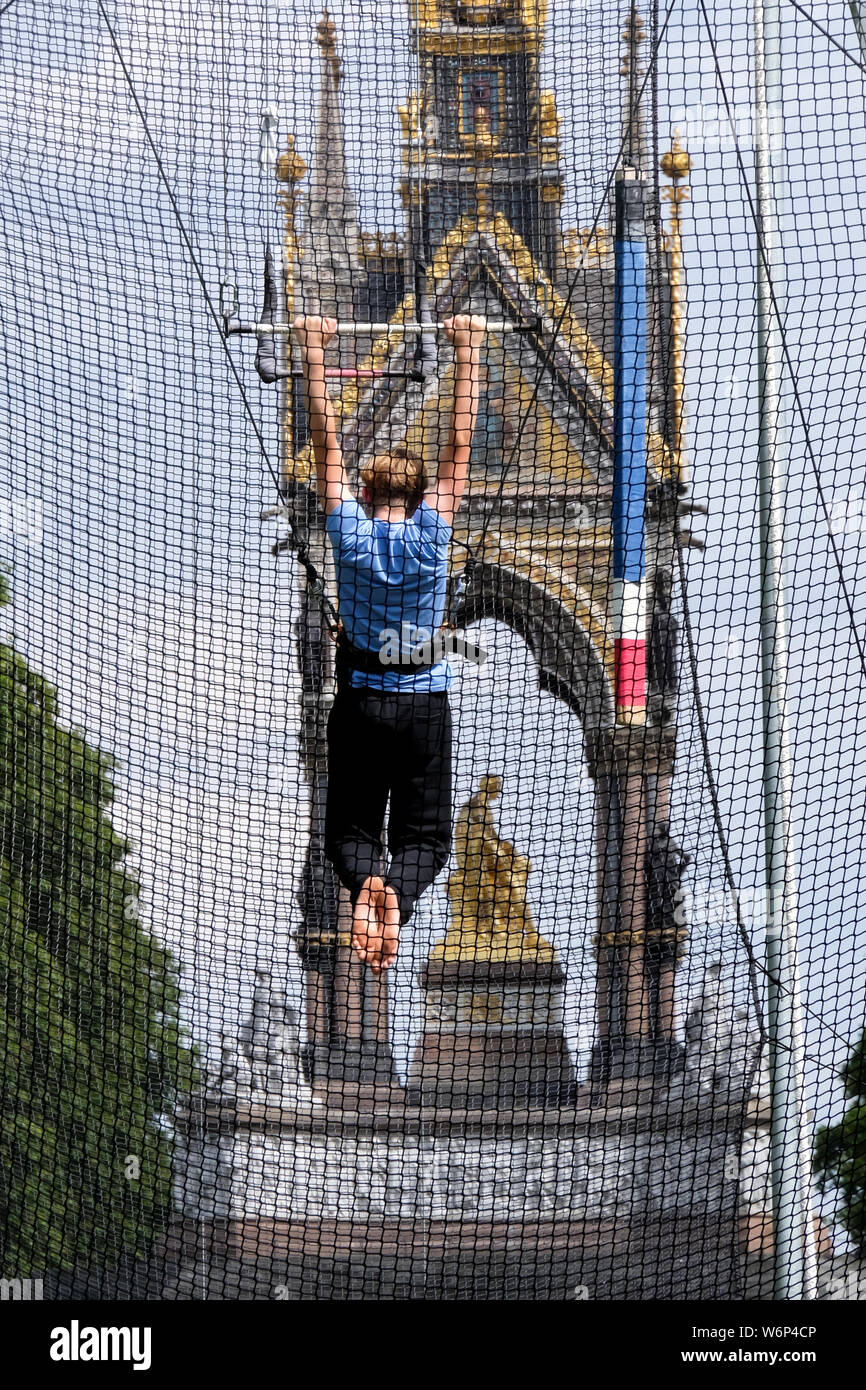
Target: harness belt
{"x":351,"y":658}
{"x":427,"y":655}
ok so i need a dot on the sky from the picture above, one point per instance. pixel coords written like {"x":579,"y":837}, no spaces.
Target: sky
{"x":132,"y":484}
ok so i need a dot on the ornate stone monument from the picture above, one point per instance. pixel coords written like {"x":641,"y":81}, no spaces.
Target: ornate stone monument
{"x":494,"y":987}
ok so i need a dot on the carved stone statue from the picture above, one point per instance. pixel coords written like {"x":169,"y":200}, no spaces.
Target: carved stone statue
{"x":721,"y":1043}
{"x":666,"y":863}
{"x":490,"y":915}
{"x":548,"y":116}
{"x":271,"y":1046}
{"x":411,"y":116}
{"x":285,"y":1068}
{"x":256,"y":1029}
{"x":662,"y":674}
{"x":232,"y":1074}
{"x":482,"y":137}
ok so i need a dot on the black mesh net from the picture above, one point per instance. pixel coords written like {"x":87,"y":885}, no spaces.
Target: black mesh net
{"x":392,"y":908}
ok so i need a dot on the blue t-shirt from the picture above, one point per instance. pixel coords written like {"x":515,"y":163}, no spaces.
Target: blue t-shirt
{"x":392,"y":581}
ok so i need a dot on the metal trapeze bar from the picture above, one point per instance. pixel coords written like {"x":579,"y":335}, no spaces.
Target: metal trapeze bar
{"x":348,"y":373}
{"x":357,"y":330}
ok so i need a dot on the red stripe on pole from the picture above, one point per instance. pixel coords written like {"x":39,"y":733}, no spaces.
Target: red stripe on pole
{"x":630,"y":671}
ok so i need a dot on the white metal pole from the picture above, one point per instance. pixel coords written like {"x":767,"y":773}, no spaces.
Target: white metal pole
{"x":790,"y":1140}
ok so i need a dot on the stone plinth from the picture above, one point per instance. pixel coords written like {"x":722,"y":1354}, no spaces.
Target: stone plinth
{"x":492,"y":1035}
{"x":401,"y":1201}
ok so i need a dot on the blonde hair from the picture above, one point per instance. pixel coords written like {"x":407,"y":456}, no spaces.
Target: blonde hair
{"x":397,"y":476}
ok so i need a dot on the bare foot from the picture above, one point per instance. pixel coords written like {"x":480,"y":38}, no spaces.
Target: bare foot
{"x":366,"y":926}
{"x":376,"y":925}
{"x":390,"y":927}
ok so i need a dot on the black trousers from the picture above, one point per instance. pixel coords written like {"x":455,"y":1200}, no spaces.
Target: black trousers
{"x":397,"y":745}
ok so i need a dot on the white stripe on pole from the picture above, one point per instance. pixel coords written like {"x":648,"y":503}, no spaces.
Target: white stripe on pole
{"x":629,"y":609}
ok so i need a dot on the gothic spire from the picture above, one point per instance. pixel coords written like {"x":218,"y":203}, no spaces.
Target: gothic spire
{"x":632,"y":69}
{"x":330,"y":240}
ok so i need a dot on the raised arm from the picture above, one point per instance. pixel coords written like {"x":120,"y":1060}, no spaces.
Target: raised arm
{"x":312,"y":336}
{"x":466,"y":333}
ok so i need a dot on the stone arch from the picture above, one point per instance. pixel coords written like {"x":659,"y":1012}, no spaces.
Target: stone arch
{"x":568,"y":661}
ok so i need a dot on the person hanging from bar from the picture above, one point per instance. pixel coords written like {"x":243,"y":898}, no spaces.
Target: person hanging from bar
{"x":389,"y":730}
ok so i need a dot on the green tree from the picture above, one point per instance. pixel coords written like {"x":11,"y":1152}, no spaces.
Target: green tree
{"x":840,"y":1150}
{"x":92,"y":1055}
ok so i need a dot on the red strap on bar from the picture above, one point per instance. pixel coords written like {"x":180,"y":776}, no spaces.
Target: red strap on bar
{"x":354,"y":371}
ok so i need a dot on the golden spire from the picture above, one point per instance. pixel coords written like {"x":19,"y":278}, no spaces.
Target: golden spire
{"x":676,"y":165}
{"x":289,"y":170}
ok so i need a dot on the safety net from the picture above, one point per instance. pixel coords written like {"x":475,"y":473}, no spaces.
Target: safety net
{"x":432,"y":654}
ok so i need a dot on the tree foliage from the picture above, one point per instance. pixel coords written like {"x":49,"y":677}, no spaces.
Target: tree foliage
{"x":92,"y":1054}
{"x":840,"y":1150}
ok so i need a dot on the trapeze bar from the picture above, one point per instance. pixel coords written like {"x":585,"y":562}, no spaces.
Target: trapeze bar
{"x":357,"y":330}
{"x":351,"y":373}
